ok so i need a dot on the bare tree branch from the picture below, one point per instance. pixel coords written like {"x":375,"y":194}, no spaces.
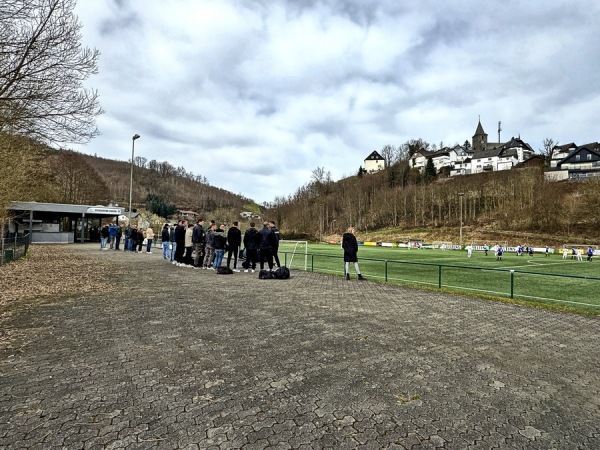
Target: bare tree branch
{"x":42,"y":70}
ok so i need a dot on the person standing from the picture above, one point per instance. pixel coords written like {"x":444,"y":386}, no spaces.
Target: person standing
{"x":234,"y":240}
{"x":118,"y":237}
{"x":180,"y":241}
{"x":276,"y":246}
{"x":198,"y":238}
{"x":499,"y":251}
{"x":112,"y":234}
{"x":251,"y":243}
{"x":350,"y":246}
{"x":209,"y":248}
{"x":219,"y":244}
{"x":140,"y":239}
{"x":189,"y":246}
{"x":165,"y":239}
{"x":104,"y":235}
{"x":173,"y":243}
{"x":149,"y":239}
{"x":267,"y":241}
{"x":130,"y":238}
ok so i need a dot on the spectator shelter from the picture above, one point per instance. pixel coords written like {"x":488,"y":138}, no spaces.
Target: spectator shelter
{"x":54,"y":223}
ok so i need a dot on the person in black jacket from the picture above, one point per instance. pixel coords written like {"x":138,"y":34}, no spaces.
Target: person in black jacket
{"x":234,"y":240}
{"x":267,"y":242}
{"x":198,"y":238}
{"x":350,"y":247}
{"x":173,"y":243}
{"x":180,"y":241}
{"x":165,"y":238}
{"x":276,"y":246}
{"x":251,"y":243}
{"x":118,"y":237}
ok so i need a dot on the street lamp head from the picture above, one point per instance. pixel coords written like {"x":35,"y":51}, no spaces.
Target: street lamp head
{"x":135,"y":136}
{"x":461,"y":193}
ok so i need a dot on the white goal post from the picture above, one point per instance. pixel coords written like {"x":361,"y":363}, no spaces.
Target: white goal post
{"x":294,"y":248}
{"x":443,"y":245}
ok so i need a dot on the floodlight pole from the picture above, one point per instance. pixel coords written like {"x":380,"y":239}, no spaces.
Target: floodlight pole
{"x":135,"y":136}
{"x":461,"y":195}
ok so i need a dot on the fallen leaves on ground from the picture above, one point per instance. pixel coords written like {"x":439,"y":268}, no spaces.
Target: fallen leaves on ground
{"x":52,"y":270}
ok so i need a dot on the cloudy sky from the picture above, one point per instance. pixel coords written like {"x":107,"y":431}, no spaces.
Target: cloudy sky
{"x":255,"y":94}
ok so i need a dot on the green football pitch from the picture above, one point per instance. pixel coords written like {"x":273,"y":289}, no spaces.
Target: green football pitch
{"x":552,"y":280}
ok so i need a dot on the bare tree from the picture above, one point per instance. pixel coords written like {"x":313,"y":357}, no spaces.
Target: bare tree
{"x":549,"y":145}
{"x":388,"y":152}
{"x":42,"y":70}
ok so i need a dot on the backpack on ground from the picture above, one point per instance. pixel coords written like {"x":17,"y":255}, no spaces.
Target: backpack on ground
{"x":265,"y":274}
{"x":224,"y":270}
{"x":282,"y":273}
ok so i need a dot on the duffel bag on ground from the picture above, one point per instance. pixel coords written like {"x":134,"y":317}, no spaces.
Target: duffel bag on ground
{"x":282,"y":273}
{"x":224,"y":270}
{"x":265,"y":274}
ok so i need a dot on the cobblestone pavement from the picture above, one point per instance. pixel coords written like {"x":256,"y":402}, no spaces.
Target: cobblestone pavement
{"x":190,"y":359}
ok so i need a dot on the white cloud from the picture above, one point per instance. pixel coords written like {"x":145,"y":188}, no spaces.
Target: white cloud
{"x":255,"y":94}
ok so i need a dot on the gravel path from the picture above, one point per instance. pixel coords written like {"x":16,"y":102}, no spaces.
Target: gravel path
{"x":119,"y":350}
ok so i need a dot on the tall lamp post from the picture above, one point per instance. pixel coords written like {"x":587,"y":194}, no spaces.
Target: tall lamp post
{"x":461,"y":195}
{"x":135,"y":136}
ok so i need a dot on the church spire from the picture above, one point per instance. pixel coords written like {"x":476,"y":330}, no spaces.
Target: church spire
{"x":480,"y":138}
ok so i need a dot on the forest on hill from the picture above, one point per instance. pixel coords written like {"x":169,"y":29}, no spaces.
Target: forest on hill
{"x":517,"y":205}
{"x":384,"y":206}
{"x":32,"y":171}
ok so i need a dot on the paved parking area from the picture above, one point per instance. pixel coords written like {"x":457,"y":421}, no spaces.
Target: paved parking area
{"x":179,"y":358}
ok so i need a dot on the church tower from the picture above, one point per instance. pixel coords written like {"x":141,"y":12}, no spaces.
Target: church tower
{"x":480,"y":139}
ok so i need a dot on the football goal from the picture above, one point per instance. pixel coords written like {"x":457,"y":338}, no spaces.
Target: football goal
{"x":443,"y":245}
{"x":296,"y":253}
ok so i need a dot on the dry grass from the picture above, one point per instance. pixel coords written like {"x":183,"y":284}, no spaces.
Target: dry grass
{"x":52,"y":270}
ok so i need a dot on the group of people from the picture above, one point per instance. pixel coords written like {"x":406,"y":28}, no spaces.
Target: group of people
{"x":203,"y":246}
{"x":577,"y":253}
{"x":135,"y":239}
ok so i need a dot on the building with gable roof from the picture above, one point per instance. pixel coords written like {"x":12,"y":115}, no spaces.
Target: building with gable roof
{"x":374,"y":162}
{"x":579,"y":163}
{"x":560,"y":152}
{"x":495,"y":156}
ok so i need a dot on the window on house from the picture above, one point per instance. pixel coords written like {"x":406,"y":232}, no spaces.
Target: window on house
{"x":589,"y":157}
{"x":577,"y":157}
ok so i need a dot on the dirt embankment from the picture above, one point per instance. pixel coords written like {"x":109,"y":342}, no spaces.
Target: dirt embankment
{"x":470,"y":234}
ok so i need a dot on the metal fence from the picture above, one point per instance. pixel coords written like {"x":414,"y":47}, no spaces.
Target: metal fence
{"x":568,"y":290}
{"x":14,"y":248}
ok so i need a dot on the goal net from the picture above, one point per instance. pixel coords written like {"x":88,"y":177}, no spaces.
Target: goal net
{"x":491,"y":246}
{"x":294,"y":253}
{"x":415,"y":243}
{"x":443,"y":245}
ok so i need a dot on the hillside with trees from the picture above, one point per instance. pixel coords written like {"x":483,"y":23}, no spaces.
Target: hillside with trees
{"x":32,"y":171}
{"x":400,"y":200}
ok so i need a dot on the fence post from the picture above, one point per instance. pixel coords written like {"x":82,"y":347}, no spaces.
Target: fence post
{"x":2,"y":251}
{"x":440,"y":276}
{"x":385,"y":269}
{"x":312,"y":262}
{"x":512,"y":283}
{"x":15,"y":248}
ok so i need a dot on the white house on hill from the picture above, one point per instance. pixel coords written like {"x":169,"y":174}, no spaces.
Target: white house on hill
{"x":574,"y":162}
{"x":374,"y":162}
